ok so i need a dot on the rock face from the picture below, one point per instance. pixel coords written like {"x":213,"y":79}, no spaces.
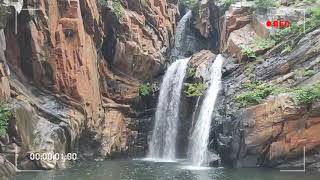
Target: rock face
{"x":145,"y":34}
{"x":7,"y":169}
{"x":76,"y":67}
{"x":242,"y":29}
{"x":274,"y":132}
{"x":4,"y":71}
{"x":278,"y":130}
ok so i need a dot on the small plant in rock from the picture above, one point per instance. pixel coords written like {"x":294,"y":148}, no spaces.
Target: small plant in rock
{"x":103,"y":3}
{"x":287,"y":49}
{"x":249,"y":52}
{"x":309,"y":73}
{"x":145,"y":89}
{"x":191,"y":72}
{"x":264,"y":43}
{"x":314,"y":20}
{"x":264,"y":4}
{"x":228,"y":3}
{"x":117,"y":8}
{"x":255,"y":94}
{"x":5,"y":116}
{"x":195,"y":89}
{"x":307,"y":95}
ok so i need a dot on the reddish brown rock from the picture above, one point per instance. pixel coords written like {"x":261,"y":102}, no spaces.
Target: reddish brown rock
{"x":280,"y":129}
{"x":146,"y":34}
{"x":238,"y":16}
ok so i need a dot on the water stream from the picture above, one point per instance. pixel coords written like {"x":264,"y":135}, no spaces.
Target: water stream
{"x":163,"y":143}
{"x":198,"y":151}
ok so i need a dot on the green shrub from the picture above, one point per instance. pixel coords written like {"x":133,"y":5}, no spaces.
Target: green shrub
{"x":5,"y":116}
{"x":190,"y":3}
{"x":103,"y":3}
{"x":264,"y":4}
{"x":255,"y":94}
{"x":264,"y":43}
{"x":248,"y":51}
{"x":287,"y":49}
{"x":195,"y":89}
{"x":145,"y":89}
{"x":117,"y":8}
{"x":309,"y":73}
{"x":191,"y":72}
{"x":314,"y":20}
{"x":228,"y":3}
{"x":307,"y":95}
{"x":311,"y":23}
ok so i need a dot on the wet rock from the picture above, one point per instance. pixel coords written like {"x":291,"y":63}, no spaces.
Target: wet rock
{"x":7,"y":169}
{"x":4,"y":70}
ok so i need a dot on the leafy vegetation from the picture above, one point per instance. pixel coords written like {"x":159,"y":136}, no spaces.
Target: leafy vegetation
{"x":5,"y":116}
{"x":312,"y":22}
{"x":103,"y":3}
{"x":307,"y":95}
{"x":256,"y":92}
{"x":248,"y":51}
{"x":287,"y":49}
{"x":228,"y":3}
{"x":3,"y":11}
{"x":195,"y":89}
{"x":309,"y":73}
{"x":264,"y":4}
{"x":191,"y":72}
{"x":117,"y":7}
{"x":145,"y":89}
{"x":264,"y":43}
{"x":190,"y":3}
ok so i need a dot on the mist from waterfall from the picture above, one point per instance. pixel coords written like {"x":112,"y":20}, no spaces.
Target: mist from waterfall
{"x":199,"y":139}
{"x":163,"y":143}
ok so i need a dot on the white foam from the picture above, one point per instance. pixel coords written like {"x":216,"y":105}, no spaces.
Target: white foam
{"x":195,"y":168}
{"x":157,"y":160}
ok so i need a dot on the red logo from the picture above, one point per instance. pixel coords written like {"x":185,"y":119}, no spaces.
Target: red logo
{"x":280,"y":24}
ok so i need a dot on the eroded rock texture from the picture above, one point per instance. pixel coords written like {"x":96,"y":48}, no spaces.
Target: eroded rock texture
{"x":273,"y":133}
{"x":76,"y":68}
{"x":145,"y":34}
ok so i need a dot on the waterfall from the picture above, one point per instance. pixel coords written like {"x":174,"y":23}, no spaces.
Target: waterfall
{"x":180,"y":44}
{"x":163,"y":143}
{"x":198,"y":147}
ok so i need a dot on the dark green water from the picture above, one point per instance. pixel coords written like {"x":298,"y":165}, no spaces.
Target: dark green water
{"x":142,"y":170}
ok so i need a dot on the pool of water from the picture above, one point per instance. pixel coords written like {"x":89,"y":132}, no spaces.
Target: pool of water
{"x":148,"y":170}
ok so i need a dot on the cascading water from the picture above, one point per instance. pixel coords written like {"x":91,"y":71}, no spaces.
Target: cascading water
{"x":180,"y":48}
{"x":187,"y":41}
{"x":198,"y":151}
{"x":163,"y":143}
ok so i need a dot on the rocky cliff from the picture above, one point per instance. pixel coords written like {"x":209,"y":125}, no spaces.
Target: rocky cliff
{"x":71,"y":71}
{"x":268,"y":113}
